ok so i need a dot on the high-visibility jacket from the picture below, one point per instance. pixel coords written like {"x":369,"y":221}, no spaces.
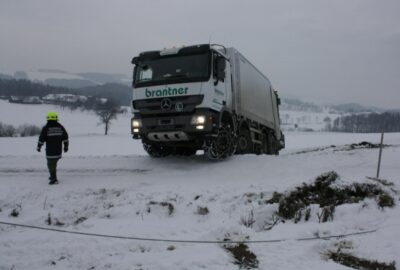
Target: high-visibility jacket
{"x":54,"y":135}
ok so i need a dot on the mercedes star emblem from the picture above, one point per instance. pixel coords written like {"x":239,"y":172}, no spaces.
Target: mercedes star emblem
{"x":166,"y":104}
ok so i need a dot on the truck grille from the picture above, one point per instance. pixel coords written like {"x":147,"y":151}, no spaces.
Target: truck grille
{"x":168,"y":105}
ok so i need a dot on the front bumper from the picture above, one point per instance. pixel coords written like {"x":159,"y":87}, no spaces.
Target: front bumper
{"x":175,"y":127}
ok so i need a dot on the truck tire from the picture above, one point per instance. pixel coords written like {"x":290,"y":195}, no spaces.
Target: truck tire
{"x":244,"y":143}
{"x":222,"y":145}
{"x":271,"y":144}
{"x":156,"y":151}
{"x":265,"y":142}
{"x":282,"y":141}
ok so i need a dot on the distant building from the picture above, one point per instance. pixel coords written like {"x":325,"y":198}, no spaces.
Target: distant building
{"x":102,"y":100}
{"x":63,"y":98}
{"x":25,"y":99}
{"x":69,"y":100}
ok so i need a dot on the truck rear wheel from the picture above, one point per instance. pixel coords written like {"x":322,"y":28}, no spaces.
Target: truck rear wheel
{"x":244,"y":144}
{"x":157,"y":151}
{"x":270,"y":144}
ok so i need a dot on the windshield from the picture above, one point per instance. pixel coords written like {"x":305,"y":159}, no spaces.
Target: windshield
{"x":172,"y":69}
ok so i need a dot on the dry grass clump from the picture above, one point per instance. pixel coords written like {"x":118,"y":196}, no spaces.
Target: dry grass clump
{"x":243,"y":256}
{"x":167,"y":205}
{"x":202,"y":210}
{"x":294,"y":204}
{"x":359,"y":263}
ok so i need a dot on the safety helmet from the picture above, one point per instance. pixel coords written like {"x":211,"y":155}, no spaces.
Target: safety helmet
{"x":52,"y":116}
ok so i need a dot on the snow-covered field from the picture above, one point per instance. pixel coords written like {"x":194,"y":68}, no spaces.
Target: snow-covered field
{"x":108,"y":185}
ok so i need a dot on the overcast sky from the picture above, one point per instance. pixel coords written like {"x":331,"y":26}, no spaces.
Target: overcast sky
{"x":338,"y":51}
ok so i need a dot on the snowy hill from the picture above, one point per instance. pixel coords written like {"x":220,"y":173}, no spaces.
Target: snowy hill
{"x":109,"y":186}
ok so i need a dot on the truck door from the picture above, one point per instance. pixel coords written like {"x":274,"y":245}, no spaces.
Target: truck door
{"x":228,"y":86}
{"x":220,"y":81}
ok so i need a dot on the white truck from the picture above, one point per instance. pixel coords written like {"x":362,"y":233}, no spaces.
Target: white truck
{"x":203,"y":97}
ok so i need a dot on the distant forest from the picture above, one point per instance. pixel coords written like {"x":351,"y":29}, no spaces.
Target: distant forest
{"x":118,"y":93}
{"x":294,"y":104}
{"x":367,"y":123}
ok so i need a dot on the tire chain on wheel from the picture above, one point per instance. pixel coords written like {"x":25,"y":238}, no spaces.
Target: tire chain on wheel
{"x":212,"y":149}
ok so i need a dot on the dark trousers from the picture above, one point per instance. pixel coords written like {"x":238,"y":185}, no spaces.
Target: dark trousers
{"x":52,"y":166}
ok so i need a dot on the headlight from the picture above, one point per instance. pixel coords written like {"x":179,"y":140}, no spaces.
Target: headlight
{"x":198,"y":120}
{"x":136,"y":123}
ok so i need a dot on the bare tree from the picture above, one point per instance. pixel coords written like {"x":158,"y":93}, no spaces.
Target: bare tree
{"x":107,"y":112}
{"x":327,"y":121}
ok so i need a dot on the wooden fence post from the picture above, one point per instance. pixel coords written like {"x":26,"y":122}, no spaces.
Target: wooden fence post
{"x":380,"y":157}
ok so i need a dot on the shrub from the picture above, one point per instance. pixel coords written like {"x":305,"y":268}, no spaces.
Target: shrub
{"x":7,"y":130}
{"x":27,"y":130}
{"x":23,"y":130}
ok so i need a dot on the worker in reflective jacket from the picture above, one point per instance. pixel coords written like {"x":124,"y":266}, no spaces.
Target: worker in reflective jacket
{"x":54,"y":135}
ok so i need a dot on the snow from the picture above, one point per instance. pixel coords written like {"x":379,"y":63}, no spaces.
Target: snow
{"x":110,"y":181}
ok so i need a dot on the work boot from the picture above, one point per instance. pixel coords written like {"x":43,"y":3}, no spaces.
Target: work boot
{"x":53,"y":179}
{"x":53,"y":182}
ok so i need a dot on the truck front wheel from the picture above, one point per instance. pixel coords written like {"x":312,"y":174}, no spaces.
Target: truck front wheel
{"x":221,"y":145}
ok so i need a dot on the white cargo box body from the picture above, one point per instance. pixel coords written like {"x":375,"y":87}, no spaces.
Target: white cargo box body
{"x":253,"y":95}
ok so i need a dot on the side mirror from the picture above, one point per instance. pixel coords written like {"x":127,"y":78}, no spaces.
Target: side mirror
{"x":135,"y":60}
{"x":278,"y":99}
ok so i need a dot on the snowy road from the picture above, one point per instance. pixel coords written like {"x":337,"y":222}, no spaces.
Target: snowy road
{"x":197,"y":172}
